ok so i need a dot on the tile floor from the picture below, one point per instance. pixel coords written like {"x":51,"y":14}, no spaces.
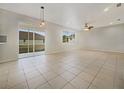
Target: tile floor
{"x":69,"y":70}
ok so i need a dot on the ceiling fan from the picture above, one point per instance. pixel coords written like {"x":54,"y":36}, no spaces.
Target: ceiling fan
{"x":87,"y":27}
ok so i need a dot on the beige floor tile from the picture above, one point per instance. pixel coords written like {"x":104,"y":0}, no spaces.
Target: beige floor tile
{"x":35,"y":82}
{"x":105,"y":77}
{"x":3,"y":72}
{"x":90,"y":71}
{"x":109,"y":73}
{"x":92,"y":87}
{"x":68,"y":86}
{"x":59,"y":71}
{"x":50,"y":75}
{"x":57,"y":82}
{"x":32,"y":74}
{"x":12,"y":81}
{"x":3,"y":84}
{"x":16,"y":75}
{"x":44,"y":70}
{"x":3,"y":78}
{"x":74,"y":69}
{"x":86,"y":76}
{"x":102,"y":84}
{"x":29,"y":70}
{"x":79,"y":83}
{"x":22,"y":85}
{"x":119,"y":83}
{"x":44,"y":86}
{"x":68,"y":75}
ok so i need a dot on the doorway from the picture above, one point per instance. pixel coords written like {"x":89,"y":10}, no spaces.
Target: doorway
{"x":31,"y":43}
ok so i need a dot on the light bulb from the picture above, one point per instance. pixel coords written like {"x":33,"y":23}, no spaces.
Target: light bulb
{"x":42,"y":23}
{"x":86,"y":29}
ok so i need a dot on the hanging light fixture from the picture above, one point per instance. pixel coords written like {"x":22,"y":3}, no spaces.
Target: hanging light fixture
{"x":87,"y":27}
{"x":42,"y":21}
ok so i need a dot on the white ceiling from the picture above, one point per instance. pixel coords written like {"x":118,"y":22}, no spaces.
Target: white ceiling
{"x":71,"y":15}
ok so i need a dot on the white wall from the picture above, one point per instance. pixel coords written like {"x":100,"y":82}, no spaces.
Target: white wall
{"x":106,"y":38}
{"x":54,"y":44}
{"x":109,"y":38}
{"x":9,"y":26}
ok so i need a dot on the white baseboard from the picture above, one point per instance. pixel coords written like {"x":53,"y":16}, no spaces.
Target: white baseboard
{"x":30,"y":54}
{"x":8,"y":60}
{"x":59,"y":51}
{"x":100,"y":50}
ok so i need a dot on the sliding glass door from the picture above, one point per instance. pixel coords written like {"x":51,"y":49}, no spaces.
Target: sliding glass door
{"x":23,"y":42}
{"x":31,"y":41}
{"x":39,"y":42}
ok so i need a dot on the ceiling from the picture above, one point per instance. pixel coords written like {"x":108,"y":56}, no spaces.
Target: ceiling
{"x":71,"y":15}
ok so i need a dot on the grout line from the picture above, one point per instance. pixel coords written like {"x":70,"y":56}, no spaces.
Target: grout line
{"x":25,"y":77}
{"x":97,"y":72}
{"x":7,"y":79}
{"x":68,"y":82}
{"x":115,"y":72}
{"x":80,"y":73}
{"x":43,"y":77}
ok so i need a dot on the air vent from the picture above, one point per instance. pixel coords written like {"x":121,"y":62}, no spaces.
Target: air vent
{"x":118,"y":5}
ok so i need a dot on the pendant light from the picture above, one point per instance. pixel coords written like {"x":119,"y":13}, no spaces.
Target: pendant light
{"x":42,"y":21}
{"x":86,"y":27}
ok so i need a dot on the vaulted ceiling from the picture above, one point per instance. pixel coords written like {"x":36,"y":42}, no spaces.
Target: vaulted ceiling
{"x":72,"y":15}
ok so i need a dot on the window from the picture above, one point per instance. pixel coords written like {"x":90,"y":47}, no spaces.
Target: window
{"x":31,"y":41}
{"x":39,"y":42}
{"x":23,"y":42}
{"x":68,"y":36}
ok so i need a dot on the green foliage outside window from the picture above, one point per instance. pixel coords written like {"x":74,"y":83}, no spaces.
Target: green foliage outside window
{"x":68,"y":36}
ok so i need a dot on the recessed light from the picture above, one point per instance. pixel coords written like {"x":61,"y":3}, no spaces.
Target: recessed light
{"x":106,"y":9}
